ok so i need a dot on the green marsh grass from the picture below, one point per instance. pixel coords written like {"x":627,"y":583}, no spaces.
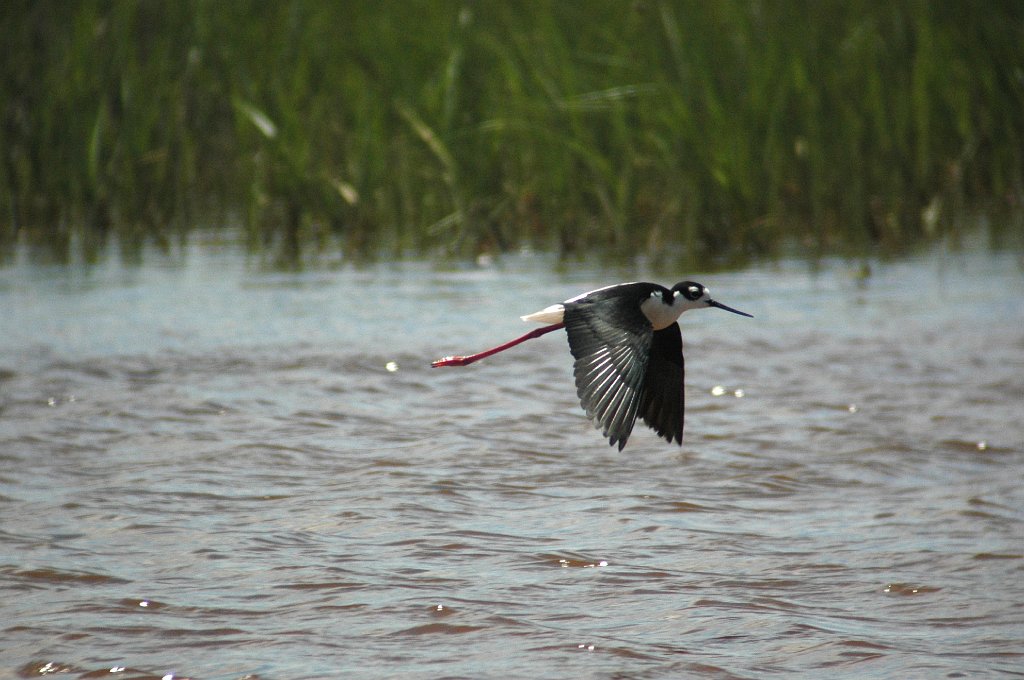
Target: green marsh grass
{"x":720,"y":130}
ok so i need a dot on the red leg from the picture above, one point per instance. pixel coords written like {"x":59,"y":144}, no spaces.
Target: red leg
{"x":470,"y":358}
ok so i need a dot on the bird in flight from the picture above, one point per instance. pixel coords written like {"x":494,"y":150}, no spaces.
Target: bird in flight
{"x":628,"y":353}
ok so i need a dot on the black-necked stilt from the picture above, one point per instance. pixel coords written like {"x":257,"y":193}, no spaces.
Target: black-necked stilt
{"x":628,"y":351}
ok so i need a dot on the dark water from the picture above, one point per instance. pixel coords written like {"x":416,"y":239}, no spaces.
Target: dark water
{"x":211,"y":471}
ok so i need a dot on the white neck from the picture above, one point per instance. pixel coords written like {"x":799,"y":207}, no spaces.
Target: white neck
{"x":661,"y":315}
{"x":658,"y":313}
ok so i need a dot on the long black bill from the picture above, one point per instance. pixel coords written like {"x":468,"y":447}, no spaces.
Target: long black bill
{"x":712,"y":303}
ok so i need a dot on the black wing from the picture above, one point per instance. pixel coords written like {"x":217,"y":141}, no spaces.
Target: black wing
{"x":661,"y":403}
{"x":610,"y":340}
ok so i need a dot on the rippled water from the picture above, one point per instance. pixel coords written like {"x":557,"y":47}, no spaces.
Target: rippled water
{"x":207,"y":470}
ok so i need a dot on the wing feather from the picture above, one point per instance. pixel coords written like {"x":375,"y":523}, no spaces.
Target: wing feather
{"x":662,"y":401}
{"x":610,"y":340}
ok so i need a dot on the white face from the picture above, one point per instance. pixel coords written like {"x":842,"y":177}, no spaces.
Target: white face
{"x":662,"y":315}
{"x":694,"y":296}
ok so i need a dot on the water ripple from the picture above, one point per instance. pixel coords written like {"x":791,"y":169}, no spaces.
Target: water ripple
{"x":847,"y":500}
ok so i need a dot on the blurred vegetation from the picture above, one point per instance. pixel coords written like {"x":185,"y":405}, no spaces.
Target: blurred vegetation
{"x":711,"y":129}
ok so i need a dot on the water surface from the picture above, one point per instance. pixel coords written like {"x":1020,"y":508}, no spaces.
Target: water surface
{"x":209,"y":470}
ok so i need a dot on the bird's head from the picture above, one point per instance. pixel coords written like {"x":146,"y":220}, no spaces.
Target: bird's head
{"x":692,"y":295}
